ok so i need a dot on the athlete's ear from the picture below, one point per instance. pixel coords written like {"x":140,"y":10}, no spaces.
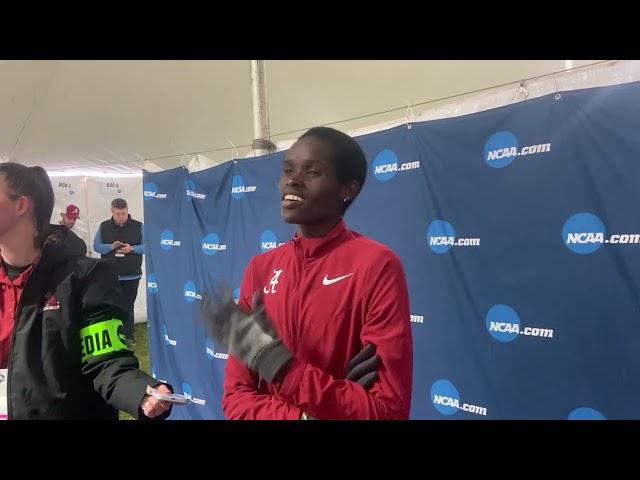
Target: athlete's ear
{"x":349,"y":190}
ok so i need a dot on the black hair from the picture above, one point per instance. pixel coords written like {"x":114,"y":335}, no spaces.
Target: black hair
{"x":348,"y":158}
{"x":32,"y":182}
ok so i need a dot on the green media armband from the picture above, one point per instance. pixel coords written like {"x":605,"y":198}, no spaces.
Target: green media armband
{"x":100,"y":338}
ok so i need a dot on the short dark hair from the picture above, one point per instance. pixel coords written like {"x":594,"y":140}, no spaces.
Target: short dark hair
{"x":119,"y":203}
{"x":348,"y":158}
{"x":32,"y":182}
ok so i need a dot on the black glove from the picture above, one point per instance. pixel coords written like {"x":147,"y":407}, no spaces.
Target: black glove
{"x":363,"y":368}
{"x":250,"y":337}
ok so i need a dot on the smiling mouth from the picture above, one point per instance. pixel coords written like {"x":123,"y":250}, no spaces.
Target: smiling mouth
{"x":292,"y":198}
{"x":291,"y":201}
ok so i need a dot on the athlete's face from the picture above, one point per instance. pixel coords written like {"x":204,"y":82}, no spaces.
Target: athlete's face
{"x":310,"y":193}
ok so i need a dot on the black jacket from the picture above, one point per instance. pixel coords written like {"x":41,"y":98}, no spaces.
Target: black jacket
{"x":130,"y":232}
{"x":68,"y":358}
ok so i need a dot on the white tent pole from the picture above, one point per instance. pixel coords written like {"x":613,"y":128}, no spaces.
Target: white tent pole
{"x":261,"y":143}
{"x":89,"y":240}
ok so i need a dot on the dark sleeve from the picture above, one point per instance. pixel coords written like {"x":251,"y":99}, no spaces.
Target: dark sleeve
{"x":78,"y":244}
{"x":106,"y":361}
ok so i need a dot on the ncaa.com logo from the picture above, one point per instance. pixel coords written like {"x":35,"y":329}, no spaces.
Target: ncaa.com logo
{"x":238,"y":188}
{"x":190,"y":292}
{"x":446,"y":400}
{"x":503,"y":324}
{"x":502,"y":148}
{"x":187,"y":391}
{"x":386,"y":165}
{"x":584,"y":233}
{"x":441,"y":236}
{"x":268,"y":241}
{"x":211,"y":244}
{"x":211,"y":351}
{"x":192,"y":190}
{"x":150,"y":191}
{"x":152,"y":283}
{"x":167,"y":241}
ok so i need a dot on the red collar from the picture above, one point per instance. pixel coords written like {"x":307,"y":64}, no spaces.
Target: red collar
{"x":313,"y":247}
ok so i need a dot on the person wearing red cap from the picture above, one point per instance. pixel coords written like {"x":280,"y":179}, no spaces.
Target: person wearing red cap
{"x":68,"y":219}
{"x":70,"y":216}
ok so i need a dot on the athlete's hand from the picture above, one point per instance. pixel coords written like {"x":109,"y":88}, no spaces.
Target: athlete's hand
{"x":363,"y":368}
{"x":250,"y":337}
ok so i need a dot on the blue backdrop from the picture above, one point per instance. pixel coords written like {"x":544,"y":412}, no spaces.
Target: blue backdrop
{"x":518,"y":232}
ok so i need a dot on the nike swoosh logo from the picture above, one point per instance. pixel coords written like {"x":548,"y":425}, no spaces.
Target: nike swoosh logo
{"x":326,"y":281}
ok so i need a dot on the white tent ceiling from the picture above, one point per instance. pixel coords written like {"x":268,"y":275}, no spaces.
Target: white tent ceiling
{"x":108,"y":115}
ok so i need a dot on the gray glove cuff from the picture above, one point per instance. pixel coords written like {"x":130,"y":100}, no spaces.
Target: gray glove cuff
{"x":271,"y":361}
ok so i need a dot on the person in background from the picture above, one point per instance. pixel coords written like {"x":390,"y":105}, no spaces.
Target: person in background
{"x":120,"y":241}
{"x":69,"y":216}
{"x":62,"y":348}
{"x":68,"y":219}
